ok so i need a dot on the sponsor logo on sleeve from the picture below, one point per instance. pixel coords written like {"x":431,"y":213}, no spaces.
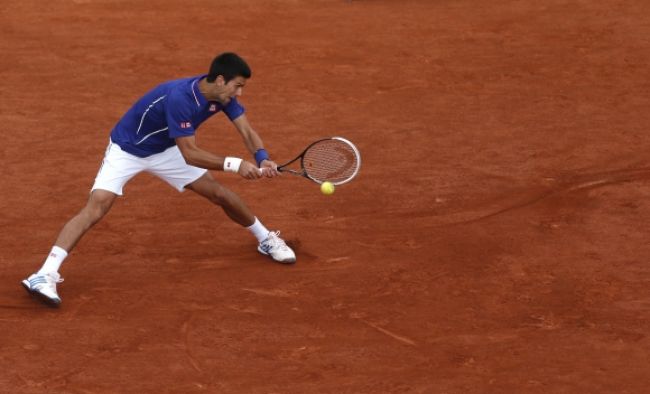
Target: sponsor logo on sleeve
{"x":186,"y":125}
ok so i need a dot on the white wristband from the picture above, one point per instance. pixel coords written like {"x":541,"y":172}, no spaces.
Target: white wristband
{"x":231,"y":164}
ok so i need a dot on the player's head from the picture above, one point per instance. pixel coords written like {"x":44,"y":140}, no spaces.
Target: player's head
{"x":229,"y":65}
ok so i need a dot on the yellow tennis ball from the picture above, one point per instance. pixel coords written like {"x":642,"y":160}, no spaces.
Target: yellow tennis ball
{"x":327,"y":188}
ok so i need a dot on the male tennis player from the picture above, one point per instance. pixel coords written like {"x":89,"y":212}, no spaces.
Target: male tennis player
{"x":157,"y":136}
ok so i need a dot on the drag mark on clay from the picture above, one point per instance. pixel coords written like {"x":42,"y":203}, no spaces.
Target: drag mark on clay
{"x":573,"y":184}
{"x":185,"y":329}
{"x":271,"y":293}
{"x":337,"y":259}
{"x":390,"y":333}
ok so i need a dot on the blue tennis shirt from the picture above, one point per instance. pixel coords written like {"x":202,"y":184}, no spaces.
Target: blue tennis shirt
{"x":172,"y":109}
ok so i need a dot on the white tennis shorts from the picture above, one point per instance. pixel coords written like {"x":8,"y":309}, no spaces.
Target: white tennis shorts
{"x":119,"y":167}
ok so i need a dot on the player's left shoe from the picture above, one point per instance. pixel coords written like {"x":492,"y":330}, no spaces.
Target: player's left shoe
{"x":275,"y":247}
{"x":44,"y":287}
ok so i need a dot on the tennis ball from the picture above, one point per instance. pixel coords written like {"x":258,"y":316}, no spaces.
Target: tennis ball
{"x":327,"y":188}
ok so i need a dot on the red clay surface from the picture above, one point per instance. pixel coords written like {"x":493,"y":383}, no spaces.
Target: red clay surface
{"x":496,"y":240}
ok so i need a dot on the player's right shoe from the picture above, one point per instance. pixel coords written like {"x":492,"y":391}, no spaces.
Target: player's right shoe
{"x":43,"y":286}
{"x":275,"y":247}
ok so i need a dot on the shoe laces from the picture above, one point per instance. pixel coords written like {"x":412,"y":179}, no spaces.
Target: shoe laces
{"x":54,"y":277}
{"x":275,"y":241}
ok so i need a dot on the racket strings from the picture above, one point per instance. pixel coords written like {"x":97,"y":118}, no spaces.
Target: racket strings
{"x":331,"y":160}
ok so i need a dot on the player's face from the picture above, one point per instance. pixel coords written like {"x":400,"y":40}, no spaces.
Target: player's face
{"x":226,"y":91}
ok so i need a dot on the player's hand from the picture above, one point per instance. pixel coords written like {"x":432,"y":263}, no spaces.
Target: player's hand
{"x":249,"y":170}
{"x":269,"y":168}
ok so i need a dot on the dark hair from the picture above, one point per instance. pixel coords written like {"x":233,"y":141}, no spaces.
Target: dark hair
{"x":229,"y":65}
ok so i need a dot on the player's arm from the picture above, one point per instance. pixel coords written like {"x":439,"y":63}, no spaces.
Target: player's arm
{"x":198,"y":157}
{"x":255,"y":145}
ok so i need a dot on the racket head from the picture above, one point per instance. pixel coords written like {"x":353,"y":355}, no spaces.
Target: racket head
{"x":335,"y":160}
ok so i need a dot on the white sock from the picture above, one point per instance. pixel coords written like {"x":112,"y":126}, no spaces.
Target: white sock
{"x":259,"y":231}
{"x":53,"y":261}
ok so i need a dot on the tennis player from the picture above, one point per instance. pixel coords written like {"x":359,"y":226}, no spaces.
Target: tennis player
{"x":157,"y":135}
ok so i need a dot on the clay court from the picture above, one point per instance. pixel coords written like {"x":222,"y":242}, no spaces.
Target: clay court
{"x":495,"y":240}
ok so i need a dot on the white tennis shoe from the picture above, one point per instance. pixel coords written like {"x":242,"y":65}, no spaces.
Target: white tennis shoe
{"x":275,"y":247}
{"x":44,"y":287}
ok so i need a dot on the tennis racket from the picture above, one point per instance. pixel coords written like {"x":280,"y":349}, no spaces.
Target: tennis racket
{"x":333,"y":159}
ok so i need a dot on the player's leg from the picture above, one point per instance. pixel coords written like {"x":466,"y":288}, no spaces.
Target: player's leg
{"x":270,"y":242}
{"x":172,"y":168}
{"x":229,"y":201}
{"x":98,"y":205}
{"x":117,"y":169}
{"x":43,"y":282}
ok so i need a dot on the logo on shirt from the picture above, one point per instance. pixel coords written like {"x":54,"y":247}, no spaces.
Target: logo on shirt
{"x":213,"y":107}
{"x":186,"y":125}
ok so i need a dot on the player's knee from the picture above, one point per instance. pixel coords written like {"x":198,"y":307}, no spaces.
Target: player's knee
{"x":97,"y":208}
{"x":93,"y":213}
{"x":220,"y":195}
